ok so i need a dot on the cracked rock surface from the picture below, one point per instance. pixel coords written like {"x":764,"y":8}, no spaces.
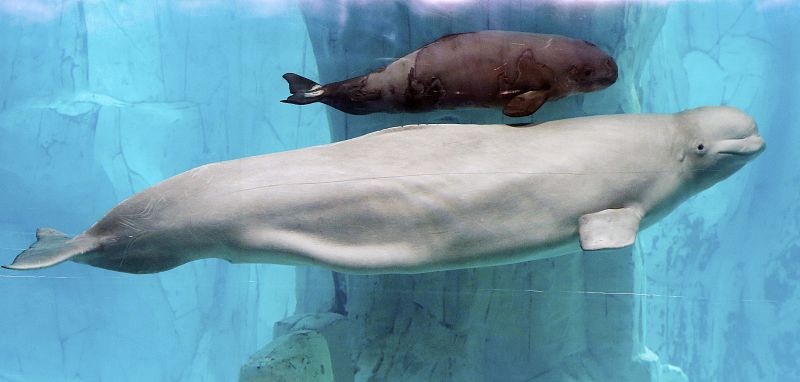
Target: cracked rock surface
{"x":710,"y":296}
{"x":98,"y":100}
{"x":298,"y":356}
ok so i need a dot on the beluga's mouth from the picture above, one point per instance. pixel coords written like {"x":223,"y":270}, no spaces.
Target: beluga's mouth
{"x":752,"y":145}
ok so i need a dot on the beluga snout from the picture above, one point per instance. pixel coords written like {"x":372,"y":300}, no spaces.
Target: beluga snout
{"x":748,"y":146}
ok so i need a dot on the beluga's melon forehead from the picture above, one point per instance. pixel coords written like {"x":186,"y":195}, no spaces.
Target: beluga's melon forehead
{"x":718,"y":122}
{"x":715,"y":142}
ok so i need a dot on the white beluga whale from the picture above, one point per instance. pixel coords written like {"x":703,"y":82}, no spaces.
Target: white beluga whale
{"x":421,"y":198}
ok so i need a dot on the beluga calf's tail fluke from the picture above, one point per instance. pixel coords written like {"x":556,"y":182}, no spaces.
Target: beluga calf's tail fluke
{"x":304,"y":91}
{"x":51,"y":247}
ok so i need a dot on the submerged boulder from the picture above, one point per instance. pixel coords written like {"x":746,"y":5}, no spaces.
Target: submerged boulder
{"x":337,"y":331}
{"x":297,"y":356}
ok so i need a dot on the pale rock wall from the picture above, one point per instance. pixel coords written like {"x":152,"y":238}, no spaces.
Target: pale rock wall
{"x":301,"y":355}
{"x":527,"y":322}
{"x":99,"y":100}
{"x":719,"y":298}
{"x":730,"y":258}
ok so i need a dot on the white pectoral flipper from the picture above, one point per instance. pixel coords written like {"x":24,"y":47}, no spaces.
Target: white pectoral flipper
{"x":608,"y":229}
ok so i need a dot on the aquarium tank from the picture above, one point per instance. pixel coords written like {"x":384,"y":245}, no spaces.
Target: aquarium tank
{"x":101,"y":99}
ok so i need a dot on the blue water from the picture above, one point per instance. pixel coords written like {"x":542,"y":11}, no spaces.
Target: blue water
{"x":101,"y":99}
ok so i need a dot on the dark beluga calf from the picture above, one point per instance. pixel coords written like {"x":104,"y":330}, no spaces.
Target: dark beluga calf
{"x":513,"y":70}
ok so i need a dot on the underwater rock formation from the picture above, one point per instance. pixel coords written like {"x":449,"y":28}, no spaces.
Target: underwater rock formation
{"x":730,"y":258}
{"x":508,"y":323}
{"x":298,"y":356}
{"x":406,"y":333}
{"x":102,"y":101}
{"x":336,"y":329}
{"x":719,"y":298}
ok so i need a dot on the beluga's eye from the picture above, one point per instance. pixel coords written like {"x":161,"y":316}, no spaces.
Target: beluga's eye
{"x":701,"y":148}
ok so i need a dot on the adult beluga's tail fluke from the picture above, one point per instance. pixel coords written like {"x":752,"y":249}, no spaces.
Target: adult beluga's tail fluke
{"x":304,"y":91}
{"x":51,"y":247}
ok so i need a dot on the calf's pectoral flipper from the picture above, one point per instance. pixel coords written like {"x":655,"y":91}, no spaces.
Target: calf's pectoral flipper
{"x":525,"y":104}
{"x":534,"y":77}
{"x":608,"y":229}
{"x":51,"y":247}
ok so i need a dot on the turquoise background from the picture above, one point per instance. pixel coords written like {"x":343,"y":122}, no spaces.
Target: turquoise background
{"x":101,"y":99}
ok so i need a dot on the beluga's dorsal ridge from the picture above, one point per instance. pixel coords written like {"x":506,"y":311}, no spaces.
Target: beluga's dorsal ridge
{"x":421,"y":198}
{"x":515,"y":71}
